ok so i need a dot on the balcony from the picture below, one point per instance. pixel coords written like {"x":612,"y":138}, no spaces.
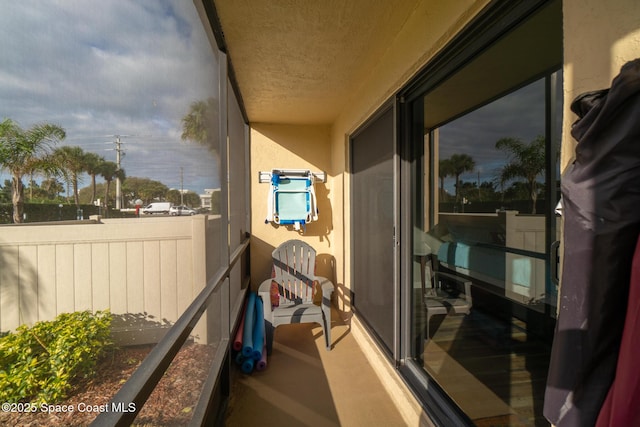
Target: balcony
{"x":303,"y":383}
{"x":306,"y":385}
{"x":293,"y":90}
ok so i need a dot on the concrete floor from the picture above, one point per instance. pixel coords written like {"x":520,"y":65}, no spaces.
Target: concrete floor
{"x":305,"y":385}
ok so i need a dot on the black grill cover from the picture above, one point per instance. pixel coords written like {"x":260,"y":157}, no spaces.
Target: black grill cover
{"x":601,"y":199}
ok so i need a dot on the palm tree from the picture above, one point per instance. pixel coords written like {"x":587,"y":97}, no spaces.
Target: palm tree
{"x":5,"y":191}
{"x":24,"y":152}
{"x":110,"y":171}
{"x":92,"y":166}
{"x":71,"y":163}
{"x":445,"y":169}
{"x":200,"y":123}
{"x":460,"y":163}
{"x":193,"y":124}
{"x":526,"y":161}
{"x":52,"y":187}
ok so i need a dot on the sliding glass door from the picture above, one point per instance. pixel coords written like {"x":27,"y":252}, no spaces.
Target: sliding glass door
{"x":372,"y":210}
{"x":482,"y":151}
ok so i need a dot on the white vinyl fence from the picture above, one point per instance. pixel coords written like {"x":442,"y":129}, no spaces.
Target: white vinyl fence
{"x":145,"y":270}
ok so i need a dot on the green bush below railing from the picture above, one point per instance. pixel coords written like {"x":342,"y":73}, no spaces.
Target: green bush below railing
{"x":38,"y":364}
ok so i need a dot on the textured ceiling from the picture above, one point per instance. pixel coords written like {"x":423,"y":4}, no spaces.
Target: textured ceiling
{"x":297,"y":61}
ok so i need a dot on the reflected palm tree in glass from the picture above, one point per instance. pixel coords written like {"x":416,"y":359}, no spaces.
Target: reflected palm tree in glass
{"x":526,"y":160}
{"x":459,"y":164}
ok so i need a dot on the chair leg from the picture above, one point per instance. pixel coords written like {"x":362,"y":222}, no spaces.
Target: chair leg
{"x":269,"y":331}
{"x":326,"y":326}
{"x":327,"y":333}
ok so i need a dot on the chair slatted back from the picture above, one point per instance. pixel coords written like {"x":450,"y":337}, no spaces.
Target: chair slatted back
{"x":294,"y":266}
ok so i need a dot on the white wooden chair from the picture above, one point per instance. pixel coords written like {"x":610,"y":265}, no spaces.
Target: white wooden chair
{"x":297,"y":299}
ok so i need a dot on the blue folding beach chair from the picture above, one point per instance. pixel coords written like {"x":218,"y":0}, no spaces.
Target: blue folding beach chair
{"x":292,"y":198}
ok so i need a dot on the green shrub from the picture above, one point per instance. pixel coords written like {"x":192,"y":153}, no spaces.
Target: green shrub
{"x":39,"y":364}
{"x":46,"y":212}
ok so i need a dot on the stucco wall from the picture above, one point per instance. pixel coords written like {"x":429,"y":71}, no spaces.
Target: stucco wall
{"x":599,"y":37}
{"x":430,"y":27}
{"x":290,"y":147}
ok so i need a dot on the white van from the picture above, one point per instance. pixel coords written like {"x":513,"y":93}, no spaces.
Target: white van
{"x":157,"y":208}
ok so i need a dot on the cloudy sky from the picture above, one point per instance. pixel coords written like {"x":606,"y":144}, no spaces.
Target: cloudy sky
{"x":111,"y":67}
{"x":520,"y":114}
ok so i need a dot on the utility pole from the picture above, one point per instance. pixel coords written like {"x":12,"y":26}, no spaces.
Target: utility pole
{"x":181,"y":186}
{"x":119,"y":155}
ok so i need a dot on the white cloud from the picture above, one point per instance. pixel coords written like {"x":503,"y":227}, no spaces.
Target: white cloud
{"x":111,"y":67}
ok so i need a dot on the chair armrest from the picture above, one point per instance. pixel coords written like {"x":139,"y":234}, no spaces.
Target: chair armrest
{"x":264,"y":292}
{"x":327,"y":292}
{"x":265,"y":286}
{"x":326,"y":284}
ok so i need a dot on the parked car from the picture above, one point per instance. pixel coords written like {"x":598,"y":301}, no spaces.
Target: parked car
{"x":181,"y":210}
{"x":157,"y":208}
